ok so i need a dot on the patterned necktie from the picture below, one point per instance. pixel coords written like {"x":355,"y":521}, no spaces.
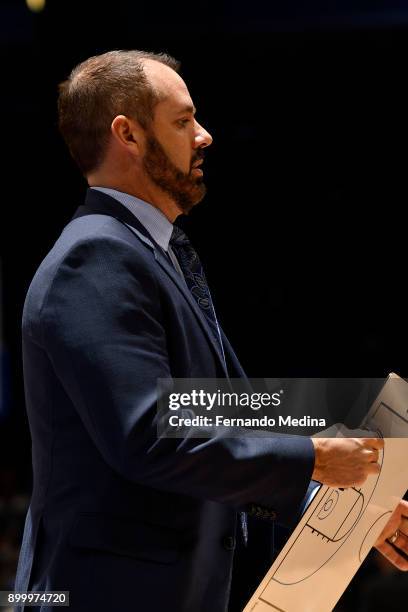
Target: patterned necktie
{"x":193,"y":272}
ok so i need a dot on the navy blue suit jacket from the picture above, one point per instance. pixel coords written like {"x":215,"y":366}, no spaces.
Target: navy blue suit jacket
{"x":117,"y":515}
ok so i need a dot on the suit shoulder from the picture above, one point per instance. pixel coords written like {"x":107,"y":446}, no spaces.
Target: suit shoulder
{"x":92,"y":236}
{"x":101,"y":229}
{"x":97,"y":247}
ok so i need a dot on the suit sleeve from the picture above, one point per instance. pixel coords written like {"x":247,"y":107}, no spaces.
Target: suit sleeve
{"x":104,"y":331}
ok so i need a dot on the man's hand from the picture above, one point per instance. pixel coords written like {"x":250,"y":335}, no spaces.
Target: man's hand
{"x":396,"y":526}
{"x":346,"y":462}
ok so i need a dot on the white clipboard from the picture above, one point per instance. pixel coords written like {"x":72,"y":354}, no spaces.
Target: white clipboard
{"x":340,"y":526}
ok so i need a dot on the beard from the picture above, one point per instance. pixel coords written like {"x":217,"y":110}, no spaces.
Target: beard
{"x":185,"y":189}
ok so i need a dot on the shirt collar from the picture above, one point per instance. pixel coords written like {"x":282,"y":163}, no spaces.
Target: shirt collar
{"x":156,"y":223}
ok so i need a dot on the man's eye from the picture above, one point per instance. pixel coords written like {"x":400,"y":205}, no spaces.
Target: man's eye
{"x":183,"y":122}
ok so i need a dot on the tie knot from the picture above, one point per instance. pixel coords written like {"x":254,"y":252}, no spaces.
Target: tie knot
{"x":178,"y":237}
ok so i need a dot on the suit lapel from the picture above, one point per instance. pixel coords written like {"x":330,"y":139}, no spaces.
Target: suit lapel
{"x":167,"y":266}
{"x":98,"y":203}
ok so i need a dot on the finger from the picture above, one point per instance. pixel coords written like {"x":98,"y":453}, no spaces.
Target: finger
{"x":371,"y":454}
{"x":373,"y":468}
{"x":391,"y":554}
{"x":375,"y":455}
{"x":401,"y":542}
{"x":377,"y":443}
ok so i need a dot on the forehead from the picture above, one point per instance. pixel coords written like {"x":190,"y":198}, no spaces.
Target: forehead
{"x":169,"y":84}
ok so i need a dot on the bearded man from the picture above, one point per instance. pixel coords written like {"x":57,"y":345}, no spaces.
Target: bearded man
{"x":123,"y":519}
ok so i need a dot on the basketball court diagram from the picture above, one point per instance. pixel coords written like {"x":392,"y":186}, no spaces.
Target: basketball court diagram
{"x":340,"y":526}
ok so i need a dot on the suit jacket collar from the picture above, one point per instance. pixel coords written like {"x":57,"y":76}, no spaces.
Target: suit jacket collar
{"x":98,"y":203}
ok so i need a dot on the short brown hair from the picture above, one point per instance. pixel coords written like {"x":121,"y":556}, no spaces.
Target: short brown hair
{"x":99,"y":89}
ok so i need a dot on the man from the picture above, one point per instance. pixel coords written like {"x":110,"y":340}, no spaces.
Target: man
{"x":122,"y":519}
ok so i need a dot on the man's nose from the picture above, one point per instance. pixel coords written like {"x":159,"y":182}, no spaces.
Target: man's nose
{"x":202,"y":138}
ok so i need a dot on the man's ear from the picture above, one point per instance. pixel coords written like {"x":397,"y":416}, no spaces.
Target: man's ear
{"x":127,"y":133}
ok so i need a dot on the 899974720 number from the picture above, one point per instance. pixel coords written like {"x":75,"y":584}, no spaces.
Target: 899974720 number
{"x":33,"y":598}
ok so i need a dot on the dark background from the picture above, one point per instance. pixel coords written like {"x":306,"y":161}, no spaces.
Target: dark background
{"x":303,"y":229}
